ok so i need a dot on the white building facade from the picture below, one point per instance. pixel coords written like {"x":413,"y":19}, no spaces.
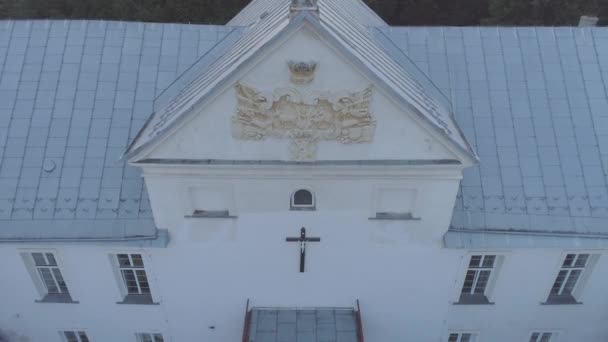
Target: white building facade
{"x":431,"y":218}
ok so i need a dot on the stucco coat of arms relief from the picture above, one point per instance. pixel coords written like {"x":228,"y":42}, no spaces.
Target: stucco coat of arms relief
{"x":304,"y":118}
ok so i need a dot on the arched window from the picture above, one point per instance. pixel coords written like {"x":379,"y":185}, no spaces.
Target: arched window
{"x":302,"y":200}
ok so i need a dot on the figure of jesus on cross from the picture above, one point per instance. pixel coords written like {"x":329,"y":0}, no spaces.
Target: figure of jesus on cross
{"x":303,"y":240}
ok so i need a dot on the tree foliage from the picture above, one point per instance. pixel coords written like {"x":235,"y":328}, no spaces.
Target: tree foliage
{"x":396,"y":12}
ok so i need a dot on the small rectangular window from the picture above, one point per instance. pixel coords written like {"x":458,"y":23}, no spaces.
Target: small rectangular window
{"x":541,"y":337}
{"x":147,"y":337}
{"x":567,"y":279}
{"x":477,"y":278}
{"x":134,"y":279}
{"x":75,"y":336}
{"x":461,"y":337}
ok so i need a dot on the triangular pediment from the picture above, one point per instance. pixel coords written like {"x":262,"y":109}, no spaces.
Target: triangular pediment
{"x":267,"y":109}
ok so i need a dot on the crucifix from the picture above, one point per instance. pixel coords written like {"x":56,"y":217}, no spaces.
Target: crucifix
{"x":302,"y":240}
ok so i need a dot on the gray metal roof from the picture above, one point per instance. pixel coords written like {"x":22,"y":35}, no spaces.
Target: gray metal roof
{"x":302,"y":325}
{"x":532,"y":101}
{"x":72,"y":94}
{"x":349,"y":23}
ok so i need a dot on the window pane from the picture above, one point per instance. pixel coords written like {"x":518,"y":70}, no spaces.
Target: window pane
{"x":475,"y":261}
{"x":482,"y":282}
{"x":137,"y":260}
{"x":130,"y":281}
{"x":555,"y":290}
{"x":468,"y":281}
{"x":489,"y":260}
{"x":581,"y":261}
{"x":123,"y":260}
{"x":60,"y":282}
{"x":465,"y":338}
{"x":39,"y":259}
{"x":70,"y":336}
{"x":302,"y":197}
{"x":453,"y":338}
{"x":83,"y":336}
{"x":143,"y":281}
{"x":48,"y":280}
{"x":158,"y":338}
{"x":569,"y":260}
{"x":571,"y":281}
{"x":51,"y":259}
{"x":546,"y":337}
{"x":534,"y":337}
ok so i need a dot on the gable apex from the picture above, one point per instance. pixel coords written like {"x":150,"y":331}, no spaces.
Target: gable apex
{"x":339,"y":26}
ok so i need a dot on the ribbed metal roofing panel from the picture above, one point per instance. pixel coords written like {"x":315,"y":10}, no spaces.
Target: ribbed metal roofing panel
{"x":537,"y":120}
{"x":72,"y":95}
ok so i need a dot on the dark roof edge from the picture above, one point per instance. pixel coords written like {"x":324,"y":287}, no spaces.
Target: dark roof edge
{"x":160,"y":240}
{"x":224,"y":162}
{"x":563,"y":234}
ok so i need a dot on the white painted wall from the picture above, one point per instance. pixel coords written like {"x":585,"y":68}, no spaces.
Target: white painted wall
{"x":399,"y":271}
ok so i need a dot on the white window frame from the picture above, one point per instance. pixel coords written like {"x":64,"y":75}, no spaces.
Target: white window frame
{"x":137,"y":272}
{"x":477,"y":271}
{"x":49,"y":267}
{"x":492,"y":280}
{"x":473,"y":336}
{"x":152,"y":337}
{"x":78,"y":333}
{"x":123,"y":292}
{"x":553,"y":338}
{"x":572,"y":274}
{"x":35,"y":271}
{"x":294,"y":206}
{"x":585,"y":273}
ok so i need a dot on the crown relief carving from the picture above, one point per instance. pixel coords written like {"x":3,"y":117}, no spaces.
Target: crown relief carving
{"x":302,"y":72}
{"x":303,"y":118}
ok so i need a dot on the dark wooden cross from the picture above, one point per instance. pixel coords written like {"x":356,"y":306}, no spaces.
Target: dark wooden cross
{"x":302,"y":240}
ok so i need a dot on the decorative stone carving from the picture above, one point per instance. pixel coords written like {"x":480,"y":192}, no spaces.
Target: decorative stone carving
{"x":305,"y":119}
{"x":302,"y":72}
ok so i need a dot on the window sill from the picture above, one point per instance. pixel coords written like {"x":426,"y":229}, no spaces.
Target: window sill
{"x":473,"y":300}
{"x":138,"y":300}
{"x":303,"y":208}
{"x":57,"y":299}
{"x":211,"y":214}
{"x":567,"y":300}
{"x":210,"y":217}
{"x":396,"y":217}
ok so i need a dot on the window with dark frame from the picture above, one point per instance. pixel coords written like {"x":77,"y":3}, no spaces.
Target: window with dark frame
{"x":303,"y":200}
{"x":567,"y":279}
{"x":476,"y":279}
{"x":75,"y":336}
